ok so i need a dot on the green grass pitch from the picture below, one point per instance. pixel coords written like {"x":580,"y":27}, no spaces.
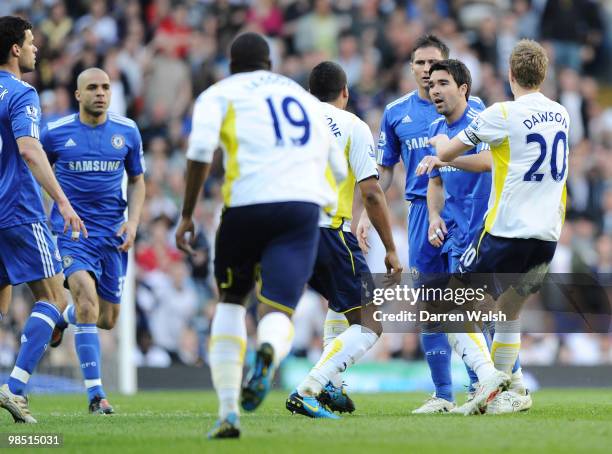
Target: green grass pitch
{"x":569,"y":421}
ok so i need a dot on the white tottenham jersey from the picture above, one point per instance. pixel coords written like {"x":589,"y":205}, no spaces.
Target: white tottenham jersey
{"x":528,"y":139}
{"x":354,"y":137}
{"x":276,"y":143}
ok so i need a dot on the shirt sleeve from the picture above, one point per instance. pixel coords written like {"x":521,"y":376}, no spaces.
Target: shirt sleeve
{"x":208,"y":113}
{"x":25,"y":114}
{"x":389,"y":149}
{"x":47,"y":144}
{"x":361,"y":155}
{"x":134,"y":161}
{"x":489,"y":126}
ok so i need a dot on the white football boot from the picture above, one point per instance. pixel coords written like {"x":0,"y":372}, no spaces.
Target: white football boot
{"x":488,"y":388}
{"x":434,"y":405}
{"x":511,"y":401}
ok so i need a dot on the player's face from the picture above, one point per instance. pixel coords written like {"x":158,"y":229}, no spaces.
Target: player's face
{"x":27,"y":54}
{"x":422,"y":61}
{"x":94,"y":96}
{"x":444,"y":92}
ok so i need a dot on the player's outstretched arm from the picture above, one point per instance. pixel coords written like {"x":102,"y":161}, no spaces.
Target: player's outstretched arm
{"x":135,"y":204}
{"x":376,"y":207}
{"x":479,"y":162}
{"x":33,"y":154}
{"x":446,"y":149}
{"x":196,"y":176}
{"x":435,"y":202}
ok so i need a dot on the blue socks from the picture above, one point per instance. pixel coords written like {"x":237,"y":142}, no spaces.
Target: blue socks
{"x":34,"y":340}
{"x":438,"y":355}
{"x":88,"y":350}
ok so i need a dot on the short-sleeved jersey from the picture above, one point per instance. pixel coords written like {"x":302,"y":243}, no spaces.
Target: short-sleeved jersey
{"x":275,"y":140}
{"x":466,"y":193}
{"x":404,"y":134}
{"x":20,"y":194}
{"x":90,"y":163}
{"x":528,"y":139}
{"x":355,"y":139}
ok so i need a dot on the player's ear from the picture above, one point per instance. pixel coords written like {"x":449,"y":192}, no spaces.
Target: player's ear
{"x":345,"y":92}
{"x":77,"y":95}
{"x":15,"y":50}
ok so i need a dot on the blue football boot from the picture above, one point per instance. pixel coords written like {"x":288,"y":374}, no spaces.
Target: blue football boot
{"x":336,"y":398}
{"x":308,"y":406}
{"x":229,"y":427}
{"x":260,"y":379}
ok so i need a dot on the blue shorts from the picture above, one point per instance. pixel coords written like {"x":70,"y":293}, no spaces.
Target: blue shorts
{"x":28,"y":254}
{"x":339,"y":270}
{"x":501,"y":262}
{"x":273,"y":243}
{"x":422,"y":256}
{"x":100,"y":257}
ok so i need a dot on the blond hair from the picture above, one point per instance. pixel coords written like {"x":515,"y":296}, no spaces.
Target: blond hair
{"x":528,"y":63}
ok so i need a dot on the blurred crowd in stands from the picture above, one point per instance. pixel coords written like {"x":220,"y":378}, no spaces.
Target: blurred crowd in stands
{"x":160,"y":54}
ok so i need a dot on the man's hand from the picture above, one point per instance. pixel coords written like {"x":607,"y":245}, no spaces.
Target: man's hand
{"x":428,"y":163}
{"x":437,"y":231}
{"x":129,"y":230}
{"x":437,"y":141}
{"x":182,"y":242}
{"x":72,"y":220}
{"x":363,"y":229}
{"x":394,"y":269}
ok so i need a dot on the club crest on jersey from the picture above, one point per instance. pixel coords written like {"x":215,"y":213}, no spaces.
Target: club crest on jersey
{"x":118,"y":141}
{"x":67,"y":261}
{"x":32,"y":112}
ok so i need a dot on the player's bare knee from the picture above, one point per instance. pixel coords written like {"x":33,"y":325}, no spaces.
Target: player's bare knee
{"x":365,"y":318}
{"x":51,"y":290}
{"x":86,"y":308}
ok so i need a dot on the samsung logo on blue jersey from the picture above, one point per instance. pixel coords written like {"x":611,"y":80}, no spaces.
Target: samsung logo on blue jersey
{"x":94,"y":166}
{"x":417,"y":142}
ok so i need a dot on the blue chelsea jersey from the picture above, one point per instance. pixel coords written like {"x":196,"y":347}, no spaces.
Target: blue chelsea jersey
{"x":466,"y":193}
{"x":89,"y":164}
{"x":20,"y":193}
{"x":403,"y":134}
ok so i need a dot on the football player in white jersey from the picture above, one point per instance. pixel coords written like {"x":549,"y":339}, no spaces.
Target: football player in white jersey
{"x":276,"y":148}
{"x":529,"y":146}
{"x":340,"y":268}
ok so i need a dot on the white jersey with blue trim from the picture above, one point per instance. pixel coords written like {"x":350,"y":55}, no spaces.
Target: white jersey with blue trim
{"x":528,"y":139}
{"x":276,"y":143}
{"x":354,"y":137}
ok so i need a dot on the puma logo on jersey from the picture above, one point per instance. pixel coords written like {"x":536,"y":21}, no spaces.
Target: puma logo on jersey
{"x":70,"y":143}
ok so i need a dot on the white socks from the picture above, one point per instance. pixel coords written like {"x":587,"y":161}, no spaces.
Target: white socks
{"x":472,"y":349}
{"x":226,"y":354}
{"x":276,"y":329}
{"x":342,"y":352}
{"x":506,"y":345}
{"x":335,"y":324}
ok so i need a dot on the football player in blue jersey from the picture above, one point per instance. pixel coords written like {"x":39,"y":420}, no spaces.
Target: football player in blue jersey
{"x":27,"y":251}
{"x":91,"y":152}
{"x":404,"y":134}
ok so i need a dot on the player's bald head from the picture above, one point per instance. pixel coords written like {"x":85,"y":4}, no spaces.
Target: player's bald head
{"x":89,"y":75}
{"x":249,"y":52}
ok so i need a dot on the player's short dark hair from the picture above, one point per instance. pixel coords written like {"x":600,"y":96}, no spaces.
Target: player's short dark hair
{"x":12,"y":31}
{"x":430,"y":41}
{"x":458,"y":71}
{"x":326,"y":81}
{"x":249,"y":52}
